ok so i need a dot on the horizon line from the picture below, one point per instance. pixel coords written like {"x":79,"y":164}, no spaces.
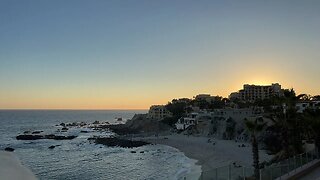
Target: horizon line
{"x":68,"y":109}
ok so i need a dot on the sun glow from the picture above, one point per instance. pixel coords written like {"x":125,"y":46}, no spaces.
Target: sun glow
{"x":259,"y":81}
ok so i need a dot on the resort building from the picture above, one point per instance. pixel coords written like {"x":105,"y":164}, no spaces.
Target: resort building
{"x":184,"y":122}
{"x":255,"y":92}
{"x":303,"y":105}
{"x":205,"y":97}
{"x":216,"y":122}
{"x":158,"y":112}
{"x":238,"y":114}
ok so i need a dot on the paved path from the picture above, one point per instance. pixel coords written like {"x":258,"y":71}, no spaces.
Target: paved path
{"x":313,"y":175}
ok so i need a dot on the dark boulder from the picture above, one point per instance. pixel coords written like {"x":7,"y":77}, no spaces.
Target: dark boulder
{"x":36,"y":132}
{"x":29,"y":137}
{"x":64,"y":137}
{"x":112,"y":142}
{"x":58,"y":137}
{"x":96,"y":122}
{"x":120,"y":129}
{"x":53,"y":146}
{"x":50,"y":136}
{"x":9,"y":149}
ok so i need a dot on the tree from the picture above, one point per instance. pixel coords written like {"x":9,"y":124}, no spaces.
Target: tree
{"x":313,"y":120}
{"x":316,"y":98}
{"x":288,"y":123}
{"x":254,"y":127}
{"x":178,"y":108}
{"x":304,"y":97}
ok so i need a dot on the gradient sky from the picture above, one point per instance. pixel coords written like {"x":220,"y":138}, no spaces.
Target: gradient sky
{"x":130,"y":54}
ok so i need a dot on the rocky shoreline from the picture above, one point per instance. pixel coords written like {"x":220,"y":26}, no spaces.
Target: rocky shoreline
{"x":138,"y":124}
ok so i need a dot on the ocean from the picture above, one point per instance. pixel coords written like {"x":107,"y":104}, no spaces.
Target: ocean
{"x":80,"y":159}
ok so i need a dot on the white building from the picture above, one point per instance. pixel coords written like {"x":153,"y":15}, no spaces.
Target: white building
{"x":158,"y":112}
{"x":303,"y":105}
{"x":184,"y":122}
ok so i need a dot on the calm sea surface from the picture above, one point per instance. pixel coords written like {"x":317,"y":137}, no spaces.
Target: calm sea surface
{"x":77,"y":158}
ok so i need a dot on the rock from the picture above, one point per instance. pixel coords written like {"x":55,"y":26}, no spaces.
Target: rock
{"x":64,"y":137}
{"x":83,"y":131}
{"x":26,"y":132}
{"x":138,"y":124}
{"x":112,"y":142}
{"x":9,"y":149}
{"x":74,"y":124}
{"x":57,"y":137}
{"x":63,"y":124}
{"x":50,"y":136}
{"x":141,"y":151}
{"x":53,"y":146}
{"x":133,"y":151}
{"x":96,"y":122}
{"x":64,"y":129}
{"x":120,"y":129}
{"x":36,"y":132}
{"x":29,"y":137}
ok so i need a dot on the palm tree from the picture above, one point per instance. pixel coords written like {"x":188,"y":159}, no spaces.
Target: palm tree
{"x":286,"y":120}
{"x":254,"y":127}
{"x":313,"y":120}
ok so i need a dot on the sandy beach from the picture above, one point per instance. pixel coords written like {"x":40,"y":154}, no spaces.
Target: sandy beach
{"x":210,"y":155}
{"x":12,"y":169}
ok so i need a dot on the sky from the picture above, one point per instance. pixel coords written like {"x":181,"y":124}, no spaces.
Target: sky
{"x":130,"y":54}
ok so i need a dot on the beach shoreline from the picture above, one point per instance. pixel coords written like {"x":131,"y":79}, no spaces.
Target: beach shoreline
{"x":210,"y":154}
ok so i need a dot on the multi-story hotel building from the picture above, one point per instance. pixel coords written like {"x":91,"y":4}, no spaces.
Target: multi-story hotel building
{"x":254,"y":92}
{"x":205,"y":97}
{"x":158,"y":112}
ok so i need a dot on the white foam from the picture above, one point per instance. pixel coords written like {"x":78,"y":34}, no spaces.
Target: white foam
{"x":189,"y":169}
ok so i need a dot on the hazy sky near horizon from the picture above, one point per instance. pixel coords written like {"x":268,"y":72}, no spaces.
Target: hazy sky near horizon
{"x":130,"y":54}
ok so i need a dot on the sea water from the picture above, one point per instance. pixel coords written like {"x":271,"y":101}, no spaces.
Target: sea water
{"x":80,"y":159}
